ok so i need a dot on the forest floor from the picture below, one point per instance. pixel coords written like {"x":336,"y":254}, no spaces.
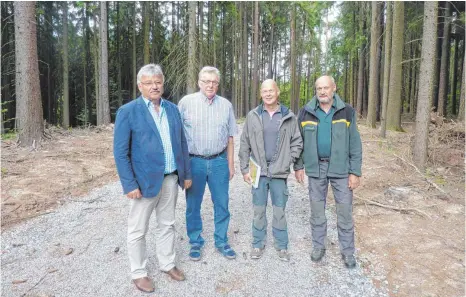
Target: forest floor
{"x":409,"y":227}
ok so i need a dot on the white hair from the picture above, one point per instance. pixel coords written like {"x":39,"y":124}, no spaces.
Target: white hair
{"x":150,"y":70}
{"x":211,"y":70}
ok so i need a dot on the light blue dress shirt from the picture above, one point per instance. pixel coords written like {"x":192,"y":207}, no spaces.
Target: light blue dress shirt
{"x":161,"y":122}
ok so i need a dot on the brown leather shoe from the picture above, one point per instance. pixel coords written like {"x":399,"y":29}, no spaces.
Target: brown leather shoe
{"x":144,"y":284}
{"x":176,"y":274}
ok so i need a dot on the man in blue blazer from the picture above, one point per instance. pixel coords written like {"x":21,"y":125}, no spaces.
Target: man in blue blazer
{"x":152,"y":159}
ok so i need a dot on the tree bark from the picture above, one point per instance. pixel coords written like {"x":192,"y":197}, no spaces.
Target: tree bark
{"x":85,"y":21}
{"x":412,"y":96}
{"x":237,"y":60}
{"x":134,"y":59}
{"x":386,"y":68}
{"x":374,"y":66}
{"x":355,"y":81}
{"x":309,"y":92}
{"x":454,"y":71}
{"x":359,"y":104}
{"x":270,"y":68}
{"x":146,"y":22}
{"x":345,"y":89}
{"x":212,"y":29}
{"x":293,"y":91}
{"x":426,"y":79}
{"x":255,"y":51}
{"x":444,"y":62}
{"x":96,"y":53}
{"x":118,"y":65}
{"x":461,"y":110}
{"x":350,"y":80}
{"x":191,"y":75}
{"x":300,"y":68}
{"x":66,"y":91}
{"x":201,"y":33}
{"x":49,"y":59}
{"x":244,"y":60}
{"x":394,"y":97}
{"x":231,"y":50}
{"x":105,"y":115}
{"x":29,"y":114}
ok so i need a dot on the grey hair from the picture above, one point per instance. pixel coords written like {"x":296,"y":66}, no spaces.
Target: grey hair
{"x":329,"y":76}
{"x":211,"y":70}
{"x":150,"y":70}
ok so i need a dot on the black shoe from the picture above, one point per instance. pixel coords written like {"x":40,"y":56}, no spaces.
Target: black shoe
{"x":317,"y":254}
{"x":350,"y":261}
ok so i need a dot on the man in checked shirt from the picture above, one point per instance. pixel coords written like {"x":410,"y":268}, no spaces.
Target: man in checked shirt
{"x":210,"y":125}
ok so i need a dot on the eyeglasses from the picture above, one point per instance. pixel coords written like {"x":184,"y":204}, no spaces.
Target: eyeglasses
{"x":151,"y":83}
{"x":208,"y":82}
{"x":324,"y":89}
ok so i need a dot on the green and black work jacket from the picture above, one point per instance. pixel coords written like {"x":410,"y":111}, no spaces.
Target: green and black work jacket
{"x":346,"y":147}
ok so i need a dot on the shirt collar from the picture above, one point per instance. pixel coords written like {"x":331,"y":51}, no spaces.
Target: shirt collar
{"x":278,"y":110}
{"x":148,"y":102}
{"x":204,"y":97}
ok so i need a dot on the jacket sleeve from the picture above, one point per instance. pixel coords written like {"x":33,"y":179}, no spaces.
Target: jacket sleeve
{"x":299,"y":163}
{"x":296,"y":143}
{"x":121,"y":151}
{"x":244,"y":148}
{"x":355,"y":148}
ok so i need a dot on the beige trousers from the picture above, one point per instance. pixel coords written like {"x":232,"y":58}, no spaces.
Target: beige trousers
{"x":138,"y":222}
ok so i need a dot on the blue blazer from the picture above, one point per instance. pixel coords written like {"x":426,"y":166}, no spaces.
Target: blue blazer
{"x":138,"y":150}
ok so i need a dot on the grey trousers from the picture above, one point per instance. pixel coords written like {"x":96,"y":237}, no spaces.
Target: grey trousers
{"x":279,"y":195}
{"x":138,"y":223}
{"x":318,"y":189}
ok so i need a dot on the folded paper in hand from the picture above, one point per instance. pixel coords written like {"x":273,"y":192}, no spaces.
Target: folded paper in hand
{"x":254,"y":172}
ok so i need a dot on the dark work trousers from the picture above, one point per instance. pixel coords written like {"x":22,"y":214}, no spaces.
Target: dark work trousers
{"x":318,"y":189}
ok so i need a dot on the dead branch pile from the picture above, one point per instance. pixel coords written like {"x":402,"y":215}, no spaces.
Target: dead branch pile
{"x":446,"y":143}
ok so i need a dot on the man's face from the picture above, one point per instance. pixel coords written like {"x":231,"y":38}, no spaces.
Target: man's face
{"x":325,"y":89}
{"x":269,"y":93}
{"x":151,"y":87}
{"x":208,"y":84}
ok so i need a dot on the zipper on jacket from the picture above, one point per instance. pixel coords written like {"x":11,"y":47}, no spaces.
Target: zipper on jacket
{"x":275,"y":156}
{"x":257,"y":147}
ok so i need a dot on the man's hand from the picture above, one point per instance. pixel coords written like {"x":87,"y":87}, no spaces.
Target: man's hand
{"x":187,"y":183}
{"x":134,"y":194}
{"x":247,"y":178}
{"x":232,"y":171}
{"x":353,"y":181}
{"x":299,"y":174}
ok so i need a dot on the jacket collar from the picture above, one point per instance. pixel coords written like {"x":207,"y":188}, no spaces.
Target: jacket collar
{"x":144,"y":110}
{"x":283,"y":109}
{"x":312,"y":105}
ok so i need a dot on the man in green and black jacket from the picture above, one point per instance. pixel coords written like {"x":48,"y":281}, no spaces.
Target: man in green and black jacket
{"x":332,"y":153}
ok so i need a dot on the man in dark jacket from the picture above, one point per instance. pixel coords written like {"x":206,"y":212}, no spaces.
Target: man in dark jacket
{"x":332,"y":153}
{"x":271,"y":138}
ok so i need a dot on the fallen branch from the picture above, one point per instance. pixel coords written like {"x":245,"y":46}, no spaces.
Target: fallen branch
{"x":14,"y":209}
{"x":400,"y":209}
{"x":40,"y":280}
{"x":373,"y":140}
{"x":423,"y":176}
